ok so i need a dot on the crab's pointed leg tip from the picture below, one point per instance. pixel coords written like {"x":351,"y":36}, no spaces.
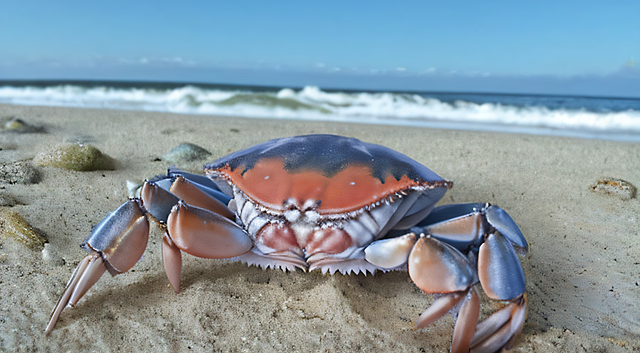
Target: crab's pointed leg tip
{"x":69,"y":291}
{"x":438,"y":308}
{"x":172,"y":261}
{"x":465,"y":327}
{"x":500,"y":330}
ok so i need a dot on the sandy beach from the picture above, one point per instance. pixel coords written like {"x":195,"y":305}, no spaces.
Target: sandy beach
{"x":582,"y":270}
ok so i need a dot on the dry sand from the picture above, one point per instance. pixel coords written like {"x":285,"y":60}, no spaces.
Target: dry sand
{"x":583,"y":268}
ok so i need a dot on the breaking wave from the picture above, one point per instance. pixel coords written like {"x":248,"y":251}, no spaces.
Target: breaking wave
{"x":581,"y":116}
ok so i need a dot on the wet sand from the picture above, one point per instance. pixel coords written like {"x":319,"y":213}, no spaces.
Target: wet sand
{"x":583,"y":267}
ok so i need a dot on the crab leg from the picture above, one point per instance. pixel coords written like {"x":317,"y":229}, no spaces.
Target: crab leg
{"x":172,"y":262}
{"x":196,"y":223}
{"x":205,"y":234}
{"x":115,"y":244}
{"x":490,"y":228}
{"x":191,"y":194}
{"x":500,"y":329}
{"x":438,"y":309}
{"x":119,"y":240}
{"x":63,"y":302}
{"x":438,"y":268}
{"x":465,"y":225}
{"x":465,"y":328}
{"x":437,"y":265}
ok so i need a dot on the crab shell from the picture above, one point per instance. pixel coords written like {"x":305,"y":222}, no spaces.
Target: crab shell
{"x":316,"y":201}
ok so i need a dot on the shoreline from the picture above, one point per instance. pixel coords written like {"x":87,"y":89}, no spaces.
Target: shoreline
{"x":581,"y":270}
{"x":607,"y":118}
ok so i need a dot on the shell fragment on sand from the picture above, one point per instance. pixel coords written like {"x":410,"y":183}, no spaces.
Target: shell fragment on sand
{"x":614,"y":187}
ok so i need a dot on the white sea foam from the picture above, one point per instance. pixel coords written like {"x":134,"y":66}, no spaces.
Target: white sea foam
{"x":314,"y":104}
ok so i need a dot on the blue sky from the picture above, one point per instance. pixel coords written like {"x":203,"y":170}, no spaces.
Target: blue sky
{"x":557,"y":47}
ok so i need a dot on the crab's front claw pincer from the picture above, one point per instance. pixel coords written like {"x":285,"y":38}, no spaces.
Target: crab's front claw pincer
{"x":115,"y":245}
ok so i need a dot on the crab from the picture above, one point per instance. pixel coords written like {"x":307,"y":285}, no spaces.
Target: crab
{"x":330,"y":203}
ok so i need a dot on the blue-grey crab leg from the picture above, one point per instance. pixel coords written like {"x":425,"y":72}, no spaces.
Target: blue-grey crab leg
{"x":438,"y":268}
{"x":491,"y":232}
{"x":115,"y":245}
{"x":500,"y":329}
{"x":464,"y":225}
{"x":443,"y":262}
{"x":196,"y":223}
{"x":194,"y":219}
{"x":495,"y":255}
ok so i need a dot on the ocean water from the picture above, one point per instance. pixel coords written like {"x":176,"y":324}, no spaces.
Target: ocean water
{"x":585,"y":117}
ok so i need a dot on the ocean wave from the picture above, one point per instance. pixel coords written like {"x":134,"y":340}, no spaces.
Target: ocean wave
{"x":312,"y":103}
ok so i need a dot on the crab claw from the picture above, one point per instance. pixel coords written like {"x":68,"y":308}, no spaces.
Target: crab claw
{"x":439,"y":268}
{"x":492,"y":234}
{"x":115,"y":244}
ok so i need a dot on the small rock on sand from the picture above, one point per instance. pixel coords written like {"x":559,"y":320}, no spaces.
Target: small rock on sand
{"x":21,"y":172}
{"x":17,"y":125}
{"x":13,"y":226}
{"x":186,"y":152}
{"x":79,"y":157}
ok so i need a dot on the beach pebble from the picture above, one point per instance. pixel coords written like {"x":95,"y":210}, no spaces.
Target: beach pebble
{"x":51,"y":257}
{"x":80,"y":157}
{"x":614,"y":187}
{"x":7,"y":200}
{"x":18,"y":173}
{"x":20,"y":126}
{"x":13,"y":226}
{"x":186,"y":152}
